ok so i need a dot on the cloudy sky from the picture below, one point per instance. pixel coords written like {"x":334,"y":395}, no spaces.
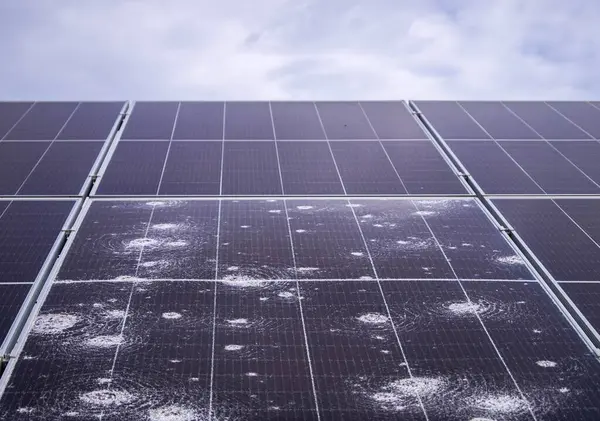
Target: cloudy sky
{"x":299,"y":49}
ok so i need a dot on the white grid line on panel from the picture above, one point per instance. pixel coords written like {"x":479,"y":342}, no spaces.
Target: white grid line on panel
{"x":518,"y":388}
{"x":214,"y":318}
{"x":222,"y":150}
{"x":278,"y":160}
{"x":47,"y":149}
{"x":300,"y":308}
{"x":387,"y":308}
{"x":570,"y":121}
{"x":592,"y":104}
{"x":500,"y":146}
{"x":552,"y":146}
{"x":19,"y":120}
{"x":162,"y":173}
{"x":576,"y":223}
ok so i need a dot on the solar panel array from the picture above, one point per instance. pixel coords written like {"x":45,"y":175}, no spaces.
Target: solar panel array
{"x":302,"y":260}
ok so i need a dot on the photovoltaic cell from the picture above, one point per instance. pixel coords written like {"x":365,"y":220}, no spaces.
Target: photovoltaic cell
{"x":296,"y":121}
{"x":250,"y":168}
{"x":63,"y":170}
{"x":498,"y":121}
{"x":11,"y":299}
{"x":582,"y":114}
{"x":134,"y":169}
{"x":450,"y":120}
{"x":365,"y":168}
{"x":584,"y":154}
{"x":151,"y":120}
{"x":327,"y":241}
{"x":585,"y":214}
{"x":43,"y":122}
{"x":92,"y":121}
{"x":422,"y":168}
{"x":492,"y":168}
{"x":10,"y":113}
{"x":392,"y":120}
{"x":549,"y":168}
{"x":344,"y":120}
{"x":545,"y":121}
{"x":565,"y":250}
{"x":248,"y":121}
{"x":587,"y":298}
{"x":200,"y":120}
{"x":308,"y":168}
{"x":17,"y":159}
{"x":192,"y":168}
{"x":28,"y":231}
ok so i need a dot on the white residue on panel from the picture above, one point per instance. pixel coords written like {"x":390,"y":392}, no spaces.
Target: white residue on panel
{"x":503,"y":404}
{"x":357,"y":253}
{"x":546,"y":363}
{"x":141,"y":242}
{"x":107,"y":397}
{"x":105,"y":341}
{"x":172,"y":413}
{"x":171,"y":315}
{"x":304,"y":207}
{"x":510,"y":260}
{"x":373,"y":318}
{"x":238,"y":322}
{"x":233,"y":347}
{"x":52,"y":324}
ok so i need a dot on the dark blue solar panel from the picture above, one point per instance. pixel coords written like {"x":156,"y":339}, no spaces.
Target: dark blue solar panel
{"x":392,"y":120}
{"x":63,"y":170}
{"x":248,"y":120}
{"x":17,"y":159}
{"x":308,"y":168}
{"x":92,"y":121}
{"x":585,"y":214}
{"x":11,"y":300}
{"x":498,"y":121}
{"x":200,"y":120}
{"x":345,"y":120}
{"x":43,"y":122}
{"x":422,"y":168}
{"x":10,"y":113}
{"x":492,"y":168}
{"x":587,"y":298}
{"x":192,"y":168}
{"x":250,"y":168}
{"x":561,"y":245}
{"x":584,"y":154}
{"x":365,"y":168}
{"x":450,"y":121}
{"x":296,"y":120}
{"x":135,"y":168}
{"x":546,"y":121}
{"x":549,"y":168}
{"x":151,"y":120}
{"x":583,"y":114}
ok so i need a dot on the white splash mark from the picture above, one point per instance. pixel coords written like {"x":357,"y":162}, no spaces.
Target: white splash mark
{"x":546,"y":363}
{"x":385,"y":351}
{"x":356,"y":253}
{"x":505,"y":404}
{"x":172,"y":413}
{"x":97,"y":305}
{"x":373,"y":318}
{"x":171,"y":315}
{"x":402,"y":242}
{"x":264,"y":298}
{"x":424,"y":213}
{"x":155,"y":203}
{"x":353,"y":205}
{"x":105,"y":341}
{"x":245,"y":226}
{"x":52,"y":324}
{"x":304,"y":207}
{"x":107,"y":397}
{"x":467,"y":245}
{"x":252,"y":374}
{"x":150,"y":264}
{"x":464,"y":308}
{"x":141,"y":242}
{"x":273,"y":408}
{"x":521,"y":302}
{"x":115,"y":314}
{"x":564,"y":390}
{"x":379,"y":338}
{"x":307,"y":269}
{"x":537,"y":331}
{"x":165,"y":227}
{"x":367,"y":216}
{"x":378,"y":225}
{"x":395,"y":395}
{"x":194,"y":379}
{"x":275,"y":211}
{"x":71,"y":414}
{"x":242,"y":281}
{"x":233,"y":268}
{"x":300,"y":231}
{"x":175,"y":244}
{"x":25,"y":410}
{"x":234,"y":347}
{"x":366,"y":278}
{"x":174,"y":361}
{"x":510,"y":260}
{"x":104,"y":380}
{"x":238,"y":322}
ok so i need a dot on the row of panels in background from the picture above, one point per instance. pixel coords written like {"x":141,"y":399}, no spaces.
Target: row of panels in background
{"x":296,"y":309}
{"x":520,"y":147}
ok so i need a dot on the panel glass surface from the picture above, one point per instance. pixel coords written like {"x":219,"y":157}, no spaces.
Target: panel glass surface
{"x":248,"y":121}
{"x":11,"y":299}
{"x":450,"y":121}
{"x":192,"y":168}
{"x":586,"y":297}
{"x":344,"y":120}
{"x":43,"y":121}
{"x":135,"y":168}
{"x":583,"y":114}
{"x":10,"y":113}
{"x":151,"y":120}
{"x":498,"y":121}
{"x":296,"y":121}
{"x":492,"y":168}
{"x":250,"y":168}
{"x":585,"y":155}
{"x":392,"y":120}
{"x":546,"y":121}
{"x":17,"y":159}
{"x":92,"y":121}
{"x":199,"y":120}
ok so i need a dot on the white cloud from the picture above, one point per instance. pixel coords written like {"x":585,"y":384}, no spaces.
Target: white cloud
{"x":335,"y":49}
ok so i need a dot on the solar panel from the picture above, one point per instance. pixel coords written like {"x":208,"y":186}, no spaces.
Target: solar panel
{"x":151,"y":121}
{"x":296,"y":121}
{"x":498,"y":120}
{"x":583,"y":115}
{"x":392,"y":120}
{"x":249,"y":168}
{"x":91,"y":121}
{"x":199,"y":120}
{"x":10,"y":114}
{"x":344,"y":120}
{"x":450,"y":120}
{"x":248,"y":120}
{"x":44,"y":121}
